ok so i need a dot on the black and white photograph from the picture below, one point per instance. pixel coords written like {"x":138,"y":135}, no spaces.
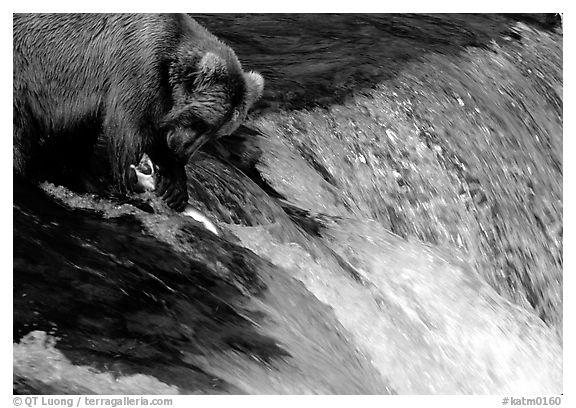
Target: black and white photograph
{"x":287,"y":204}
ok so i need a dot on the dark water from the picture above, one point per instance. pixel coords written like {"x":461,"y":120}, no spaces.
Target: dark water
{"x":390,"y":216}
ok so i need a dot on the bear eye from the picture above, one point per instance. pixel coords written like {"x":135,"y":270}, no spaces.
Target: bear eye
{"x":200,"y":126}
{"x":189,"y":84}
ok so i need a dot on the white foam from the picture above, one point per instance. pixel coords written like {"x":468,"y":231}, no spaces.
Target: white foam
{"x":198,"y":216}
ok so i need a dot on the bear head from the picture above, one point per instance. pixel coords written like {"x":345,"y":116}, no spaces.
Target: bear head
{"x":211,"y":96}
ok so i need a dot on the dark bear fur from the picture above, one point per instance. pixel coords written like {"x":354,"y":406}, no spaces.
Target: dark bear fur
{"x":127,"y":84}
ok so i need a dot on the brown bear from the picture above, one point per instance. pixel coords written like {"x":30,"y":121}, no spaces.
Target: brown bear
{"x":129,"y":83}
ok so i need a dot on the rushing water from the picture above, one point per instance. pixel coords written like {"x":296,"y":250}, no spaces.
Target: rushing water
{"x":390,"y":218}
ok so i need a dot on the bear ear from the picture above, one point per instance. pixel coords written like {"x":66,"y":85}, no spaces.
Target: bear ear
{"x":254,"y":87}
{"x":211,"y":65}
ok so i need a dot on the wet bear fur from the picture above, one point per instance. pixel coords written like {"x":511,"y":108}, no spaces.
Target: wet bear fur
{"x":116,"y":86}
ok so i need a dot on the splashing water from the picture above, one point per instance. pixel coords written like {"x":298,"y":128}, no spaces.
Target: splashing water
{"x":390,"y":222}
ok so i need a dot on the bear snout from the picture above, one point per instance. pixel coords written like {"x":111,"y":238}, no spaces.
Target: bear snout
{"x":184,"y":143}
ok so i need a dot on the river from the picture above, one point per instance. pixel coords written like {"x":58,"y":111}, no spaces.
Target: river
{"x":390,"y":222}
